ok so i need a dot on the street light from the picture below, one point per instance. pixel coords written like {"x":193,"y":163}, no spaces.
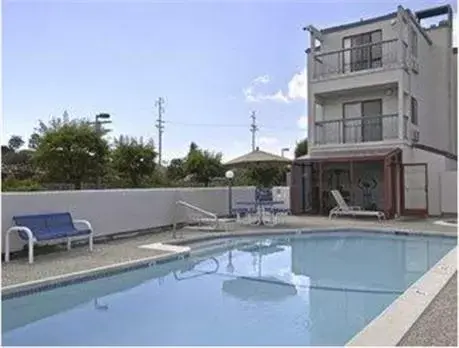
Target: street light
{"x":98,"y":124}
{"x":285,"y":149}
{"x":230,"y":175}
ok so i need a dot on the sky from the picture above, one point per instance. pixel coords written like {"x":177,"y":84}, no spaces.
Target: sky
{"x":214,"y":62}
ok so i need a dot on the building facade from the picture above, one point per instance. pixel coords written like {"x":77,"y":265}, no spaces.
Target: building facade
{"x":382,"y":113}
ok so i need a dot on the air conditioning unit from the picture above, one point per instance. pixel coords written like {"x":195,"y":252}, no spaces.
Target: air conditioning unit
{"x":415,"y":135}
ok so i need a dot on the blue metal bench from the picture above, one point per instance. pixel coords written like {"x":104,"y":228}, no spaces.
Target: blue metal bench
{"x":46,"y":227}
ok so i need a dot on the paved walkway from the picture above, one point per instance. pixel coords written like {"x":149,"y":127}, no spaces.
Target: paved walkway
{"x":438,"y":325}
{"x":126,"y":249}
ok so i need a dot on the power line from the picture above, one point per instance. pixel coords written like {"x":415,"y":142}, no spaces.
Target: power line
{"x":160,"y":126}
{"x":253,"y":129}
{"x":226,"y":125}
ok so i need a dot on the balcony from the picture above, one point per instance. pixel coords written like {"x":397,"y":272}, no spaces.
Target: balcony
{"x":358,"y":130}
{"x":380,"y":55}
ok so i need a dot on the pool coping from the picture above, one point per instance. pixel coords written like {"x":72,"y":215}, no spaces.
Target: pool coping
{"x":171,"y":255}
{"x":22,"y":289}
{"x":388,"y":328}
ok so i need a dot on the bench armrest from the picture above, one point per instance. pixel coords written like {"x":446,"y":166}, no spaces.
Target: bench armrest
{"x":23,"y":229}
{"x":84,"y":222}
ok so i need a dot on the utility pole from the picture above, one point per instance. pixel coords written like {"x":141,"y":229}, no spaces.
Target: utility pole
{"x":98,"y":124}
{"x":160,"y":126}
{"x":253,"y":129}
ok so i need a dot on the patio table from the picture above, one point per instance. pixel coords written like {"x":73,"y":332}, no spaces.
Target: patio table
{"x":259,"y":205}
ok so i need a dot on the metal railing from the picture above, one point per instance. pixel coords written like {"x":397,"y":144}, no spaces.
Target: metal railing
{"x":382,"y":54}
{"x":195,"y":208}
{"x":357,"y":130}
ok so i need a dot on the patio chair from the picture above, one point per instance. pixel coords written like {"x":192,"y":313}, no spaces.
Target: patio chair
{"x":275,"y":215}
{"x":343,"y":209}
{"x":245,"y":216}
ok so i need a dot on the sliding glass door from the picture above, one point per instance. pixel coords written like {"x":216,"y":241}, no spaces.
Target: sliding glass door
{"x":369,"y":56}
{"x":362,"y":121}
{"x":372,"y":122}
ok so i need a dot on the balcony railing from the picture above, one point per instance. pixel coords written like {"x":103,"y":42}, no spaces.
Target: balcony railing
{"x":382,"y":54}
{"x":358,"y":130}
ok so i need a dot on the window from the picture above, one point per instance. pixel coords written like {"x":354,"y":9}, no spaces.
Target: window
{"x":367,"y":57}
{"x":414,"y":111}
{"x":414,"y":42}
{"x":362,"y":121}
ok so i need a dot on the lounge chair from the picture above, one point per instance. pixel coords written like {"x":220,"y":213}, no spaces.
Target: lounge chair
{"x":343,"y":209}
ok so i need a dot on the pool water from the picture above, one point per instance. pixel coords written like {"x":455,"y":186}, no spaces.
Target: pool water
{"x":315,"y":289}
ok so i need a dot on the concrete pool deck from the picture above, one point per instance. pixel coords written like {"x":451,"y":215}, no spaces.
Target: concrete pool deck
{"x":441,"y":332}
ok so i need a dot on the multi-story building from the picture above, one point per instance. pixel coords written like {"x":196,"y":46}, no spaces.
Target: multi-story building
{"x":382,"y":113}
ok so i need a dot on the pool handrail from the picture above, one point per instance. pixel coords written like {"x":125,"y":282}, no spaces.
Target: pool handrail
{"x":213,"y":216}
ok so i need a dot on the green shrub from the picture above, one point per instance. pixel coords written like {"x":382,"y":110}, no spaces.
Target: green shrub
{"x":16,"y":185}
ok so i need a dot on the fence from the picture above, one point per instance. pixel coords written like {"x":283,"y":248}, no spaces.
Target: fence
{"x":117,"y":211}
{"x":449,"y":192}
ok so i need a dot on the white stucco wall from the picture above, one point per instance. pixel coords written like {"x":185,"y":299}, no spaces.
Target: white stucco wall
{"x":431,"y":88}
{"x":333,"y":107}
{"x":449,"y":192}
{"x":334,"y":40}
{"x":115,"y":211}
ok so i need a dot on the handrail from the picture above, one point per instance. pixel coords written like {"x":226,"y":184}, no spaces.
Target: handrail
{"x":200,"y":210}
{"x":195,"y":208}
{"x":358,"y":47}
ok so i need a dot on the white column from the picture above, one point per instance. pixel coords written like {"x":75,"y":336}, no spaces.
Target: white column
{"x":401,"y":86}
{"x":311,"y":110}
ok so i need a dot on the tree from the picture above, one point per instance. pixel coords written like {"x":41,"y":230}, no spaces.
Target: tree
{"x":15,"y":142}
{"x":56,"y":123}
{"x":71,"y":153}
{"x":301,"y":148}
{"x":34,"y":139}
{"x":17,"y":164}
{"x":133,"y":159}
{"x":266,"y":175}
{"x":176,"y":169}
{"x":203,"y":165}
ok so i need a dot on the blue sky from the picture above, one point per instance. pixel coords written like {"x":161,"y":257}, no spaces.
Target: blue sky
{"x":213,"y":62}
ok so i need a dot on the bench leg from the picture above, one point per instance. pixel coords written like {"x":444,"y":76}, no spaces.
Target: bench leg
{"x":7,"y":247}
{"x":31,"y":242}
{"x":69,"y":243}
{"x":91,"y":242}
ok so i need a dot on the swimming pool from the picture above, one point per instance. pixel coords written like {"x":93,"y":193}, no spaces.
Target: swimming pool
{"x":310,"y":289}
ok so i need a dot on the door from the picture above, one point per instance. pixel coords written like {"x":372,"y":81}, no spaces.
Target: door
{"x":372,"y":122}
{"x":352,"y":128}
{"x":369,"y":56}
{"x":415,"y":189}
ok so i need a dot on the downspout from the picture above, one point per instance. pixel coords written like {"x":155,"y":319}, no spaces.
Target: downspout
{"x":450,"y":80}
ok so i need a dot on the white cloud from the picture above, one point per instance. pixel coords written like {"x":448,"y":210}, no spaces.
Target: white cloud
{"x":303,"y":123}
{"x":296,"y":89}
{"x":455,"y":33}
{"x":264,"y":79}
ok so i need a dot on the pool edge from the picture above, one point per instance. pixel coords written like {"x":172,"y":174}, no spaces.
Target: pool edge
{"x":22,"y":289}
{"x":389,"y":328}
{"x":99,"y":272}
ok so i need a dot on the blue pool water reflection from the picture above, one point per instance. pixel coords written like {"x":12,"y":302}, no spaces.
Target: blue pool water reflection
{"x":318,"y":289}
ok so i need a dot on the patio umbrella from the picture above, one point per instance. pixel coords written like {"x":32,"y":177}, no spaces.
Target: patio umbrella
{"x":257,"y":157}
{"x":258,"y":289}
